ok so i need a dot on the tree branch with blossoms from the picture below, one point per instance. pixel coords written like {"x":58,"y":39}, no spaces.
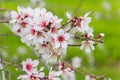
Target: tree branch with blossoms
{"x":44,"y":34}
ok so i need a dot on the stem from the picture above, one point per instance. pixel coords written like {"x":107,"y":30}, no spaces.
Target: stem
{"x":8,"y":35}
{"x":92,"y":39}
{"x":4,"y":9}
{"x":4,"y":21}
{"x":1,"y":67}
{"x":63,"y":25}
{"x":11,"y":63}
{"x":3,"y":72}
{"x":74,"y":45}
{"x":7,"y":70}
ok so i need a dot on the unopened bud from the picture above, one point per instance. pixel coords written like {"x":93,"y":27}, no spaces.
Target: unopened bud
{"x":100,"y":35}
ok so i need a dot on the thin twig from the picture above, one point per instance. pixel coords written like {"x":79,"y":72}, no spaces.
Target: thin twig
{"x":4,"y":21}
{"x":11,"y":63}
{"x":1,"y":67}
{"x":92,"y":39}
{"x":8,"y":35}
{"x":74,"y":45}
{"x":7,"y":71}
{"x":4,"y":9}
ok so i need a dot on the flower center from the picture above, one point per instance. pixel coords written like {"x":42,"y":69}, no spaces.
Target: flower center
{"x":43,"y":24}
{"x":87,"y":44}
{"x":53,"y":30}
{"x":29,"y":67}
{"x":32,"y":77}
{"x":61,"y":38}
{"x":32,"y":31}
{"x":23,"y":24}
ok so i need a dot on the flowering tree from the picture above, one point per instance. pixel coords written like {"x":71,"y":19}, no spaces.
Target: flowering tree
{"x":49,"y":39}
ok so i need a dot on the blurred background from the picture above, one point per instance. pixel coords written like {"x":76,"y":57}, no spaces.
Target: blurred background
{"x":104,"y":60}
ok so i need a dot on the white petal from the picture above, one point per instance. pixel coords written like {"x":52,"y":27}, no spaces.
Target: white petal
{"x":82,"y":46}
{"x":87,"y":49}
{"x":68,"y":16}
{"x":92,"y":46}
{"x":87,"y":14}
{"x":35,"y":63}
{"x":61,"y":32}
{"x":67,"y":36}
{"x":64,"y":45}
{"x":57,"y":44}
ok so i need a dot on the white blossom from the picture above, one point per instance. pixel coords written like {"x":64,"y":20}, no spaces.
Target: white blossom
{"x":87,"y":77}
{"x":61,"y":39}
{"x":76,"y":62}
{"x":87,"y":45}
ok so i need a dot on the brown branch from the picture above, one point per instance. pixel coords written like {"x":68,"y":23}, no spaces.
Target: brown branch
{"x":4,"y":9}
{"x":8,"y":35}
{"x":92,"y":39}
{"x":4,"y":21}
{"x":7,"y":70}
{"x":11,"y":63}
{"x":74,"y":45}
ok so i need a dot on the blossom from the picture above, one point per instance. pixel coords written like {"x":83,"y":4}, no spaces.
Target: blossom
{"x":54,"y":75}
{"x":89,"y":32}
{"x":61,"y":39}
{"x":76,"y":62}
{"x":87,"y":45}
{"x":81,"y":23}
{"x":27,"y":77}
{"x":29,"y":66}
{"x":68,"y":74}
{"x":87,"y":77}
{"x":31,"y":77}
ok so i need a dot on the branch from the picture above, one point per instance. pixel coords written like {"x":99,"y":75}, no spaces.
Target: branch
{"x":4,"y":21}
{"x":1,"y":67}
{"x":7,"y":70}
{"x":11,"y":63}
{"x":4,"y":9}
{"x":92,"y":39}
{"x":8,"y":35}
{"x":74,"y":45}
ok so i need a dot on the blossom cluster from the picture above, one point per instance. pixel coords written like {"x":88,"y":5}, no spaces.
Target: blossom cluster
{"x":32,"y":73}
{"x":82,"y":26}
{"x":40,"y":29}
{"x":44,"y":32}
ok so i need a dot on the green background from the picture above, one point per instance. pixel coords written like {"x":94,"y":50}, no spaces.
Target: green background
{"x":105,"y":60}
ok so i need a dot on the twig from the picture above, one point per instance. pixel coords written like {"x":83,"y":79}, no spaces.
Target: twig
{"x":8,"y":35}
{"x":7,"y":70}
{"x":11,"y":63}
{"x":4,"y":9}
{"x":4,"y":21}
{"x":92,"y":39}
{"x":63,"y":25}
{"x":1,"y":67}
{"x":74,"y":45}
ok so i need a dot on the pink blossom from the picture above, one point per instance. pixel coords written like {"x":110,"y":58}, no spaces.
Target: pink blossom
{"x":29,"y":66}
{"x":61,"y":39}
